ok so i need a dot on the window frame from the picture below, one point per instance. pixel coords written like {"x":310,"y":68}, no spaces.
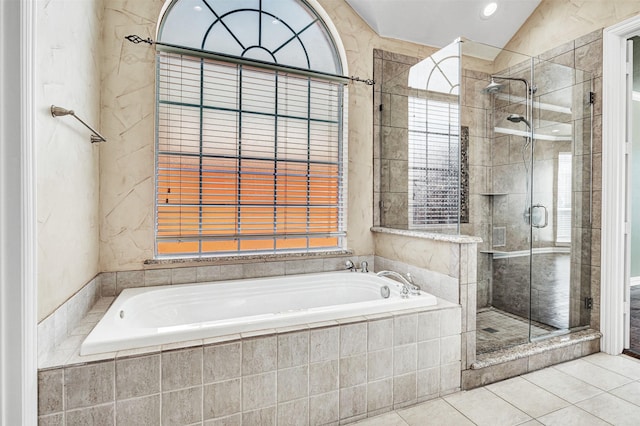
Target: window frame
{"x":341,"y":145}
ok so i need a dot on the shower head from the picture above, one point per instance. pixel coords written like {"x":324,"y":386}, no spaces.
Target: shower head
{"x":493,"y":87}
{"x":516,"y":118}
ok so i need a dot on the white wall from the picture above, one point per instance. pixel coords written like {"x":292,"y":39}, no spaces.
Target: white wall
{"x":68,"y":63}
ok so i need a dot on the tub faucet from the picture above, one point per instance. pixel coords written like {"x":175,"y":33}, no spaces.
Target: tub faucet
{"x":406,"y":286}
{"x":364,"y":266}
{"x":348,"y":264}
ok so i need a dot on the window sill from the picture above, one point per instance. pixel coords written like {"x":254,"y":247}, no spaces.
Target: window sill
{"x":248,"y":258}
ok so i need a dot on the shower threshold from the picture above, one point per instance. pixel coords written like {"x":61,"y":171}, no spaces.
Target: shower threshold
{"x":523,"y":358}
{"x":496,"y":329}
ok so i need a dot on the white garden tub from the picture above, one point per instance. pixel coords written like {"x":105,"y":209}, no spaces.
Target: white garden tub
{"x":159,"y":315}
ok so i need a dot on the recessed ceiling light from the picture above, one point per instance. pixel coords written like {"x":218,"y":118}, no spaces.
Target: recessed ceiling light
{"x":197,"y":8}
{"x":489,"y":9}
{"x":555,"y":131}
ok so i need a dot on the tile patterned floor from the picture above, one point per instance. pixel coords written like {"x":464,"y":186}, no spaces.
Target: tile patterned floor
{"x":596,"y":390}
{"x":496,"y":329}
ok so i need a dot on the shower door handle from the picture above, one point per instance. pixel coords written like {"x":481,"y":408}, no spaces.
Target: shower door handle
{"x":539,"y":216}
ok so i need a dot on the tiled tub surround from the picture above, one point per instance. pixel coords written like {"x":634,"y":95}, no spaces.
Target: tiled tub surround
{"x":58,"y":333}
{"x":321,"y":373}
{"x":443,"y":265}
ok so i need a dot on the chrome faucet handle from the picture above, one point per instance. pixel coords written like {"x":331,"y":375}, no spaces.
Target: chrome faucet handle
{"x":415,"y":288}
{"x":364,"y":266}
{"x":404,"y":292}
{"x":348,"y":264}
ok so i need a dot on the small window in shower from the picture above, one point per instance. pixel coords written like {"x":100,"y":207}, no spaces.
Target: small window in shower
{"x":434,"y":162}
{"x":563,"y":233}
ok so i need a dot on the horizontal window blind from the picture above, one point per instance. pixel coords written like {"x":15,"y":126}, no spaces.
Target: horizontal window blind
{"x":563,"y":233}
{"x":434,"y":162}
{"x":248,"y":160}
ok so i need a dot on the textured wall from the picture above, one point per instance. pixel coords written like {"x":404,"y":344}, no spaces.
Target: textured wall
{"x":558,"y":21}
{"x":68,"y":62}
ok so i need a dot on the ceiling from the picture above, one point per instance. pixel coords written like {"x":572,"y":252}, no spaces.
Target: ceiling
{"x":439,"y":22}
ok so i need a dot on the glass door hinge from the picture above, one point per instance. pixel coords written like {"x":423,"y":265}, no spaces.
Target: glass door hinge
{"x":588,"y":302}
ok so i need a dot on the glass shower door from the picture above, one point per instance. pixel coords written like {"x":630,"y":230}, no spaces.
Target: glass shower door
{"x":559,"y":212}
{"x":510,"y":198}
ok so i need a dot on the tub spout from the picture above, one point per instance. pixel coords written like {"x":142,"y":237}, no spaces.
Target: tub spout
{"x":406,"y":286}
{"x":364,"y":266}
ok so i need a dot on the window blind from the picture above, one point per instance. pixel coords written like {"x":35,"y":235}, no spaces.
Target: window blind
{"x":563,"y":225}
{"x":248,"y":160}
{"x":434,"y":162}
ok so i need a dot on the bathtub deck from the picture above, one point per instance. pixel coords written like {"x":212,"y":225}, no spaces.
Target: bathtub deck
{"x":68,"y":352}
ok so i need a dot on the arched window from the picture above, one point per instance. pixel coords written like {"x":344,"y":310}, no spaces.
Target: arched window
{"x":250,"y":145}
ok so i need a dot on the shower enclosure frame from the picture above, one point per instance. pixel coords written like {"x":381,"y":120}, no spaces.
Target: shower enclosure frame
{"x":541,"y":97}
{"x":536,"y":214}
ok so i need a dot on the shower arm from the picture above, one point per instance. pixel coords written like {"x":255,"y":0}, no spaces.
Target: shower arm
{"x":528,"y":94}
{"x":59,"y":112}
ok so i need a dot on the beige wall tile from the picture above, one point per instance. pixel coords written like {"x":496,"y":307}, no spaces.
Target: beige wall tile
{"x":324,"y":409}
{"x":428,"y":325}
{"x":96,"y":415}
{"x":235,"y":420}
{"x":182,"y":407}
{"x":353,"y":370}
{"x":137,"y":376}
{"x":139,"y":411}
{"x":429,"y":354}
{"x":207,"y":273}
{"x":294,"y":413}
{"x":222,"y":362}
{"x":181,"y":368}
{"x":259,"y":355}
{"x":222,"y":399}
{"x":379,"y":364}
{"x":293,"y":349}
{"x":129,"y":279}
{"x":258,"y":391}
{"x":50,"y":391}
{"x":324,"y":344}
{"x":183,"y":275}
{"x":379,"y":395}
{"x":262,"y":417}
{"x":353,"y":339}
{"x":153,"y":277}
{"x":451,"y":322}
{"x":450,"y":349}
{"x":89,"y":385}
{"x":353,"y":401}
{"x":293,"y":383}
{"x":428,"y":382}
{"x":379,"y":334}
{"x":405,"y":329}
{"x":323,"y":377}
{"x":404,"y":359}
{"x":51,"y":420}
{"x":404,"y":388}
